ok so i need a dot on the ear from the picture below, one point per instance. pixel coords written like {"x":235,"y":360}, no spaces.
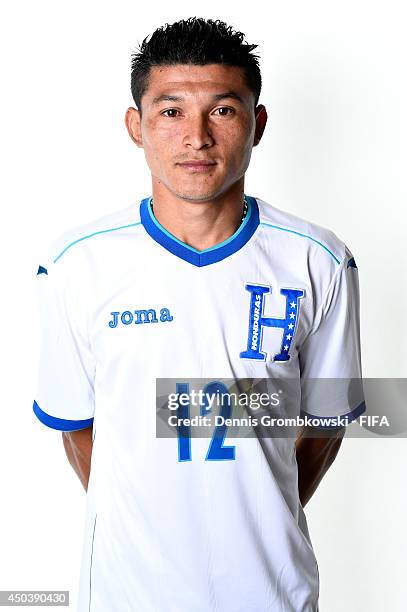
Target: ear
{"x":261,"y":120}
{"x":133,"y":124}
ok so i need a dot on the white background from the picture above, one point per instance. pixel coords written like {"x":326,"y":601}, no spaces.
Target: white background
{"x":334,"y":152}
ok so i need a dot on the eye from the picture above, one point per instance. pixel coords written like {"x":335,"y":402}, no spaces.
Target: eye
{"x":225,"y":108}
{"x":169,"y":110}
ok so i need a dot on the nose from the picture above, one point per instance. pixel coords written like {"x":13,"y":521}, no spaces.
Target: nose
{"x":197,"y":132}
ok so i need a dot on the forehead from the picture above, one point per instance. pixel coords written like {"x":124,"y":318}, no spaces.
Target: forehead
{"x":188,"y":78}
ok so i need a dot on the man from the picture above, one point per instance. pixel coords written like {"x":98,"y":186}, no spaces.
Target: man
{"x":198,"y":280}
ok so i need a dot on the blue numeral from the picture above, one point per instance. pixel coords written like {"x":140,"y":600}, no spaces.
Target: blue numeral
{"x":184,"y":431}
{"x":216,"y":451}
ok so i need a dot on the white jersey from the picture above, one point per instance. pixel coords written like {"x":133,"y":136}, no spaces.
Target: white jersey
{"x":174,"y":524}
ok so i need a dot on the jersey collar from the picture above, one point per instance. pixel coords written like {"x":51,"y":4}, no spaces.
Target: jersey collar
{"x":208,"y":256}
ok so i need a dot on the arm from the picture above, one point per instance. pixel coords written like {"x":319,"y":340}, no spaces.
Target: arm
{"x":314,"y":456}
{"x":78,"y":448}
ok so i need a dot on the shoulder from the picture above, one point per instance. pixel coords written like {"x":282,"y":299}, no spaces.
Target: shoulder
{"x":80,"y":252}
{"x":305,"y":235}
{"x":73,"y":242}
{"x":72,"y":264}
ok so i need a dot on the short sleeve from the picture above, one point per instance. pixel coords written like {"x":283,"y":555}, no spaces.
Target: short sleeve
{"x":330,"y":360}
{"x":65,"y":386}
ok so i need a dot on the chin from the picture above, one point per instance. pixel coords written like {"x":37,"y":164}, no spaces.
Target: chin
{"x":197,"y":195}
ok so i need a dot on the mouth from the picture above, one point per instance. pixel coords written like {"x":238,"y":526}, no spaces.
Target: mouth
{"x":198,"y":166}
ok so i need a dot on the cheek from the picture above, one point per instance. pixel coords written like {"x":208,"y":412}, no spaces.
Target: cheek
{"x":237,"y":147}
{"x":159,"y":146}
{"x":159,"y":135}
{"x":237,"y":138}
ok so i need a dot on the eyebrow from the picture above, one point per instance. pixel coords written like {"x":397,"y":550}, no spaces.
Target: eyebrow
{"x":215,"y":97}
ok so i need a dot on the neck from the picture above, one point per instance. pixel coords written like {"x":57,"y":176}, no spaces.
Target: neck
{"x":199,"y":224}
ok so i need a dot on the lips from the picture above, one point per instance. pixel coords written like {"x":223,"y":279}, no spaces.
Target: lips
{"x":198,"y":165}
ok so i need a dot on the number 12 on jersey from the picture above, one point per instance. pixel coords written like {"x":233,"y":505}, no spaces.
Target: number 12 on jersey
{"x":217,"y":451}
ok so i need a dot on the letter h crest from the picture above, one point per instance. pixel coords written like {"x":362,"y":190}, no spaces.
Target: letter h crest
{"x":257,"y":321}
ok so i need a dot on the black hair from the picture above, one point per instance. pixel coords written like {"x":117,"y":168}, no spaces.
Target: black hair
{"x":195,"y":41}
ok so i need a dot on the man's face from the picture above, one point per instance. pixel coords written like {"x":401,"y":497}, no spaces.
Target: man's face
{"x":197,"y":113}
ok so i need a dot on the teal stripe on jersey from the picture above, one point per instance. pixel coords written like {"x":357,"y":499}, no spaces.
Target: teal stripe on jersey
{"x":284,"y":229}
{"x":112,"y":229}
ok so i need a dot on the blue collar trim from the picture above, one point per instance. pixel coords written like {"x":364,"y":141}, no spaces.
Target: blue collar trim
{"x":208,"y":256}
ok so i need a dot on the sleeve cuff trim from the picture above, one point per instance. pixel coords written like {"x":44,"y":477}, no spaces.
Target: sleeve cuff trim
{"x":338,"y":420}
{"x":61,"y":424}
